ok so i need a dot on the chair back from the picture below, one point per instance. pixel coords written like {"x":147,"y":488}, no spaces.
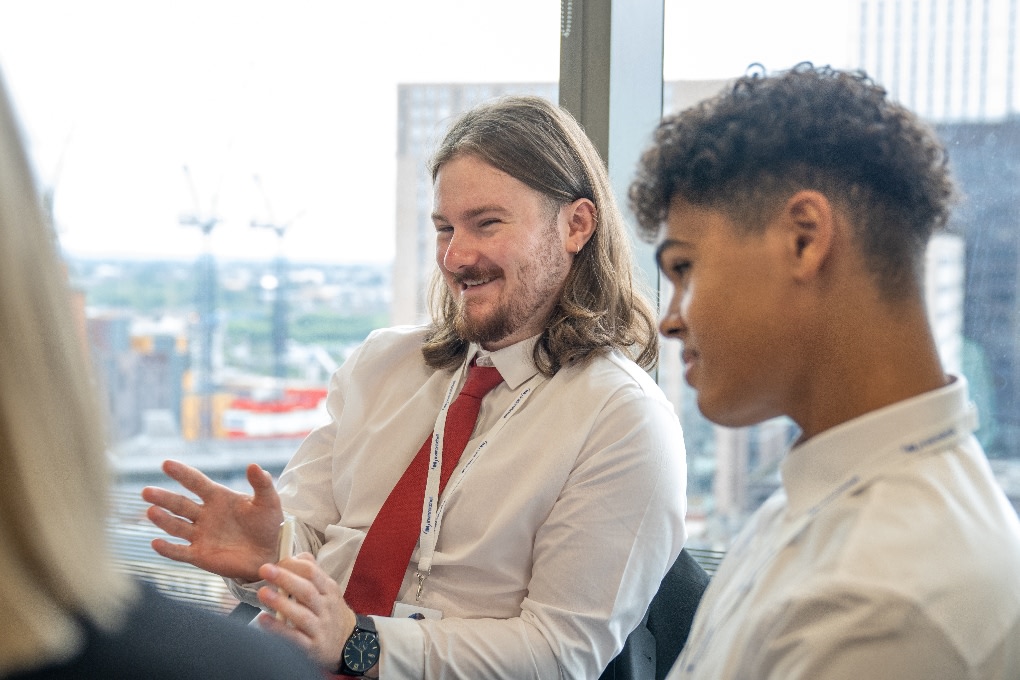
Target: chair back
{"x":652,"y":648}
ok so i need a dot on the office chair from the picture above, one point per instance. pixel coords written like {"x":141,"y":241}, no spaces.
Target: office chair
{"x":653,"y":647}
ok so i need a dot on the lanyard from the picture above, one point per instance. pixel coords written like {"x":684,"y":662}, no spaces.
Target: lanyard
{"x":945,"y":437}
{"x":433,"y":506}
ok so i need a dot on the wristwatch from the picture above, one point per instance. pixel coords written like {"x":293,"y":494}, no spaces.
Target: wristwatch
{"x":361,"y":651}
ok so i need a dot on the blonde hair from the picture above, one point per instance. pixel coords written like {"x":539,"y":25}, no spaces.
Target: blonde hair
{"x":54,"y":563}
{"x":601,"y":307}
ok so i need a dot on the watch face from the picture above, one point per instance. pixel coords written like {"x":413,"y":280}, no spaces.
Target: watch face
{"x":361,"y":651}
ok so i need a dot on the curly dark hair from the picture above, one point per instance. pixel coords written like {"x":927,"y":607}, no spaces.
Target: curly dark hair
{"x":749,"y":148}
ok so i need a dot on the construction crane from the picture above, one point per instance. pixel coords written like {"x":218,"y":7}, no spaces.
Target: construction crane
{"x":205,"y":304}
{"x":278,"y":289}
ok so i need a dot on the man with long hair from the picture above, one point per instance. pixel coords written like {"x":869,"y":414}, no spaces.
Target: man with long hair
{"x":564,"y":511}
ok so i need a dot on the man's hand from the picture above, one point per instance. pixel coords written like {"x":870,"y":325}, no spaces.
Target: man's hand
{"x":313,"y":611}
{"x":229,"y":533}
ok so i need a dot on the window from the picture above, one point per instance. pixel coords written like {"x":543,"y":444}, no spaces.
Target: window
{"x":955,"y":63}
{"x":164,"y":133}
{"x":161,"y":136}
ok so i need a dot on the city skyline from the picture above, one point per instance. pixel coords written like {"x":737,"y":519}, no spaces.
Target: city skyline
{"x":303,"y":96}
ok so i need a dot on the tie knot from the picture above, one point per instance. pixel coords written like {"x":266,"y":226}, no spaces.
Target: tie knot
{"x":480,"y":381}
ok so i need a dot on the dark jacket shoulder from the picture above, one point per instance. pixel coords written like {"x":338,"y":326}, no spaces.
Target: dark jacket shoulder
{"x":162,"y":638}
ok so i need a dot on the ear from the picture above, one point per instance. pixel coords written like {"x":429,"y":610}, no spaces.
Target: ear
{"x":810,"y":221}
{"x":581,"y":218}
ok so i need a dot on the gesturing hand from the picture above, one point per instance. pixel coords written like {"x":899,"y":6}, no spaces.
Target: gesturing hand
{"x":314,"y":615}
{"x":229,"y":533}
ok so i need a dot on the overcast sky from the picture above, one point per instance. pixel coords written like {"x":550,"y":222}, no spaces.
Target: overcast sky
{"x":116,"y":97}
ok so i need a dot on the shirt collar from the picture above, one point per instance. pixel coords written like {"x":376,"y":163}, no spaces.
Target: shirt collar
{"x":515,"y":363}
{"x":812,"y":470}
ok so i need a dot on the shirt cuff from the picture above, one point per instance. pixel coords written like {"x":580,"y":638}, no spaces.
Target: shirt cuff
{"x":246,"y":592}
{"x":402,"y":645}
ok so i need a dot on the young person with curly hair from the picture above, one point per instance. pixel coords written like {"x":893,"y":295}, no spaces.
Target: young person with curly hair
{"x":792,"y":213}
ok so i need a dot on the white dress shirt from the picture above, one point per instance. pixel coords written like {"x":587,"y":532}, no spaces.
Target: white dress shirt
{"x":553,"y":541}
{"x":889,"y":553}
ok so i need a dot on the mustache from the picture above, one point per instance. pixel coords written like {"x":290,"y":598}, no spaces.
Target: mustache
{"x":476,"y":274}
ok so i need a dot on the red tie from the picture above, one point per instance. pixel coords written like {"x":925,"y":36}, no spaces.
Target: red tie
{"x":386,"y":551}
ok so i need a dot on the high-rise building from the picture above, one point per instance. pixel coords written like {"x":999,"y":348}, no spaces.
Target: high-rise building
{"x":983,"y":157}
{"x":948,"y":60}
{"x":140,"y":365}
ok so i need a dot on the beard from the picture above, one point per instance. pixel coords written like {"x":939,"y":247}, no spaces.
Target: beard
{"x":539,"y":279}
{"x":502,"y":322}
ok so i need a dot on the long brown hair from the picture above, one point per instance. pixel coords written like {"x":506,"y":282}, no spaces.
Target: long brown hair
{"x":600,"y":308}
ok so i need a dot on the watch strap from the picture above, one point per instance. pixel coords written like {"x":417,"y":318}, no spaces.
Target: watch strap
{"x":362,"y":622}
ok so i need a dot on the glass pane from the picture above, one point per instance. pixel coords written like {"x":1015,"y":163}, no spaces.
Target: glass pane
{"x":955,"y":63}
{"x":239,"y":192}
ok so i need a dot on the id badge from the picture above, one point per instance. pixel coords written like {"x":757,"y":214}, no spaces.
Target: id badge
{"x":402,"y":610}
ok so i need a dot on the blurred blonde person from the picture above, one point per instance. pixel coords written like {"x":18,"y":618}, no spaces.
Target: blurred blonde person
{"x":65,"y":610}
